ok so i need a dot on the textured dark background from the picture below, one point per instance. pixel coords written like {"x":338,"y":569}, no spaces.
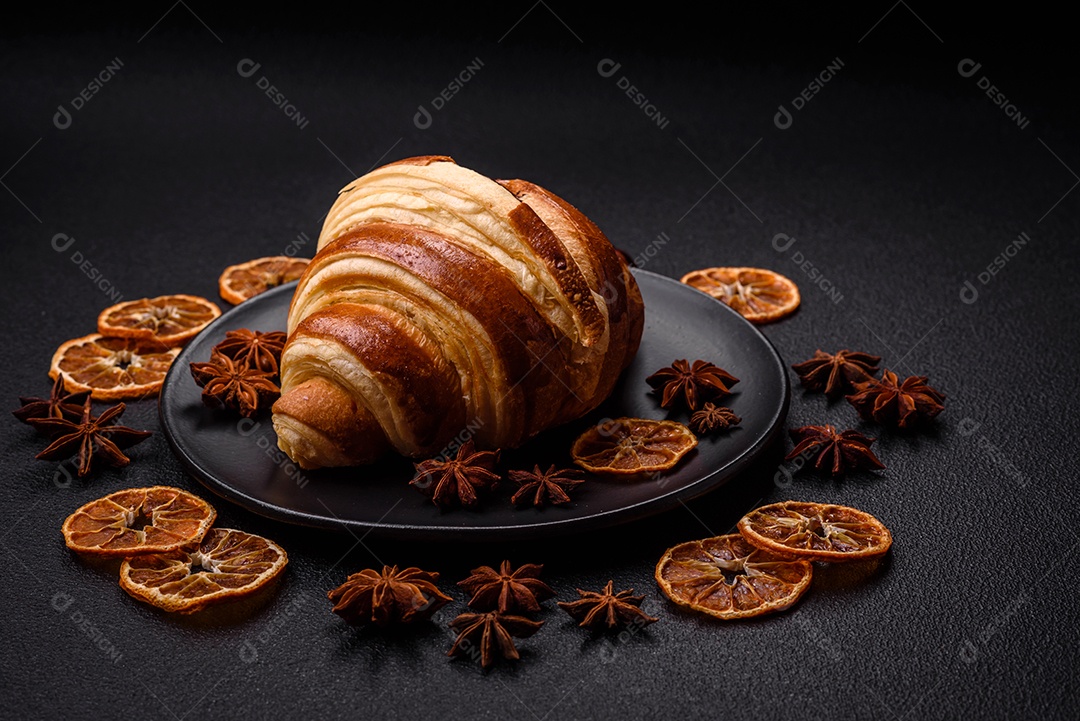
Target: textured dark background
{"x":899,"y":181}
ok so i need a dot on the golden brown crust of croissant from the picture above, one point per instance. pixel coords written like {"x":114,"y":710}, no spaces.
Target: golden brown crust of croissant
{"x":319,"y":424}
{"x":604,"y":268}
{"x":440,"y":300}
{"x":475,"y":210}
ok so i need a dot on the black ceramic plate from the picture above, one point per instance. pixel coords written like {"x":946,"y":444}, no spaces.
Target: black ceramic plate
{"x":239,"y":459}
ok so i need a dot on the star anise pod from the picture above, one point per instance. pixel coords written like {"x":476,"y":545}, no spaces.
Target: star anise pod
{"x":690,"y":383}
{"x":540,"y":487}
{"x":837,"y":373}
{"x":607,"y":609}
{"x":897,"y":404}
{"x":389,"y":597}
{"x":834,"y":453}
{"x":59,"y":404}
{"x":229,"y":384}
{"x":89,"y":438}
{"x":712,"y":418}
{"x":261,"y":351}
{"x":493,"y":632}
{"x":507,"y":590}
{"x":457,"y":480}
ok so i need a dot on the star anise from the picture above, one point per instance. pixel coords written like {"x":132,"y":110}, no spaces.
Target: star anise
{"x":229,"y":384}
{"x":457,"y":480}
{"x":897,"y":404}
{"x":59,"y":404}
{"x":261,"y":351}
{"x":540,"y":487}
{"x":837,"y":373}
{"x":389,"y":597}
{"x":507,"y":590}
{"x":493,"y":632}
{"x":89,"y":438}
{"x":835,"y":453}
{"x":690,"y":383}
{"x":712,"y":418}
{"x":607,"y":609}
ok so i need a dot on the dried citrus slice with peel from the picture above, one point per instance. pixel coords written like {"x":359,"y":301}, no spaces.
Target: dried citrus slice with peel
{"x":728,"y":578}
{"x":816,"y":531}
{"x":247,"y":280}
{"x":625,"y":446}
{"x":227,"y":565}
{"x":759,"y":295}
{"x":169,"y":319}
{"x":138,"y":520}
{"x":112,"y":368}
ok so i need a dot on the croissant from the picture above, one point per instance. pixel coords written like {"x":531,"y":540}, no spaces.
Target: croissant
{"x":442,"y":305}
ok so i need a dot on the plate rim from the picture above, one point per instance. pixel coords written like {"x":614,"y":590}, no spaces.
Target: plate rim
{"x":603,"y":519}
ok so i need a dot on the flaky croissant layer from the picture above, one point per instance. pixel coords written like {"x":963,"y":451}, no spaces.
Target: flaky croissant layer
{"x":442,"y":300}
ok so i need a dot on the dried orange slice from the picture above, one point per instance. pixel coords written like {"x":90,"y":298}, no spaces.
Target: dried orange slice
{"x":247,"y":280}
{"x":138,"y":520}
{"x":728,"y":578}
{"x":112,"y":368}
{"x":626,"y":446}
{"x":169,"y":319}
{"x":759,"y":295}
{"x":816,"y":531}
{"x":227,"y":565}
